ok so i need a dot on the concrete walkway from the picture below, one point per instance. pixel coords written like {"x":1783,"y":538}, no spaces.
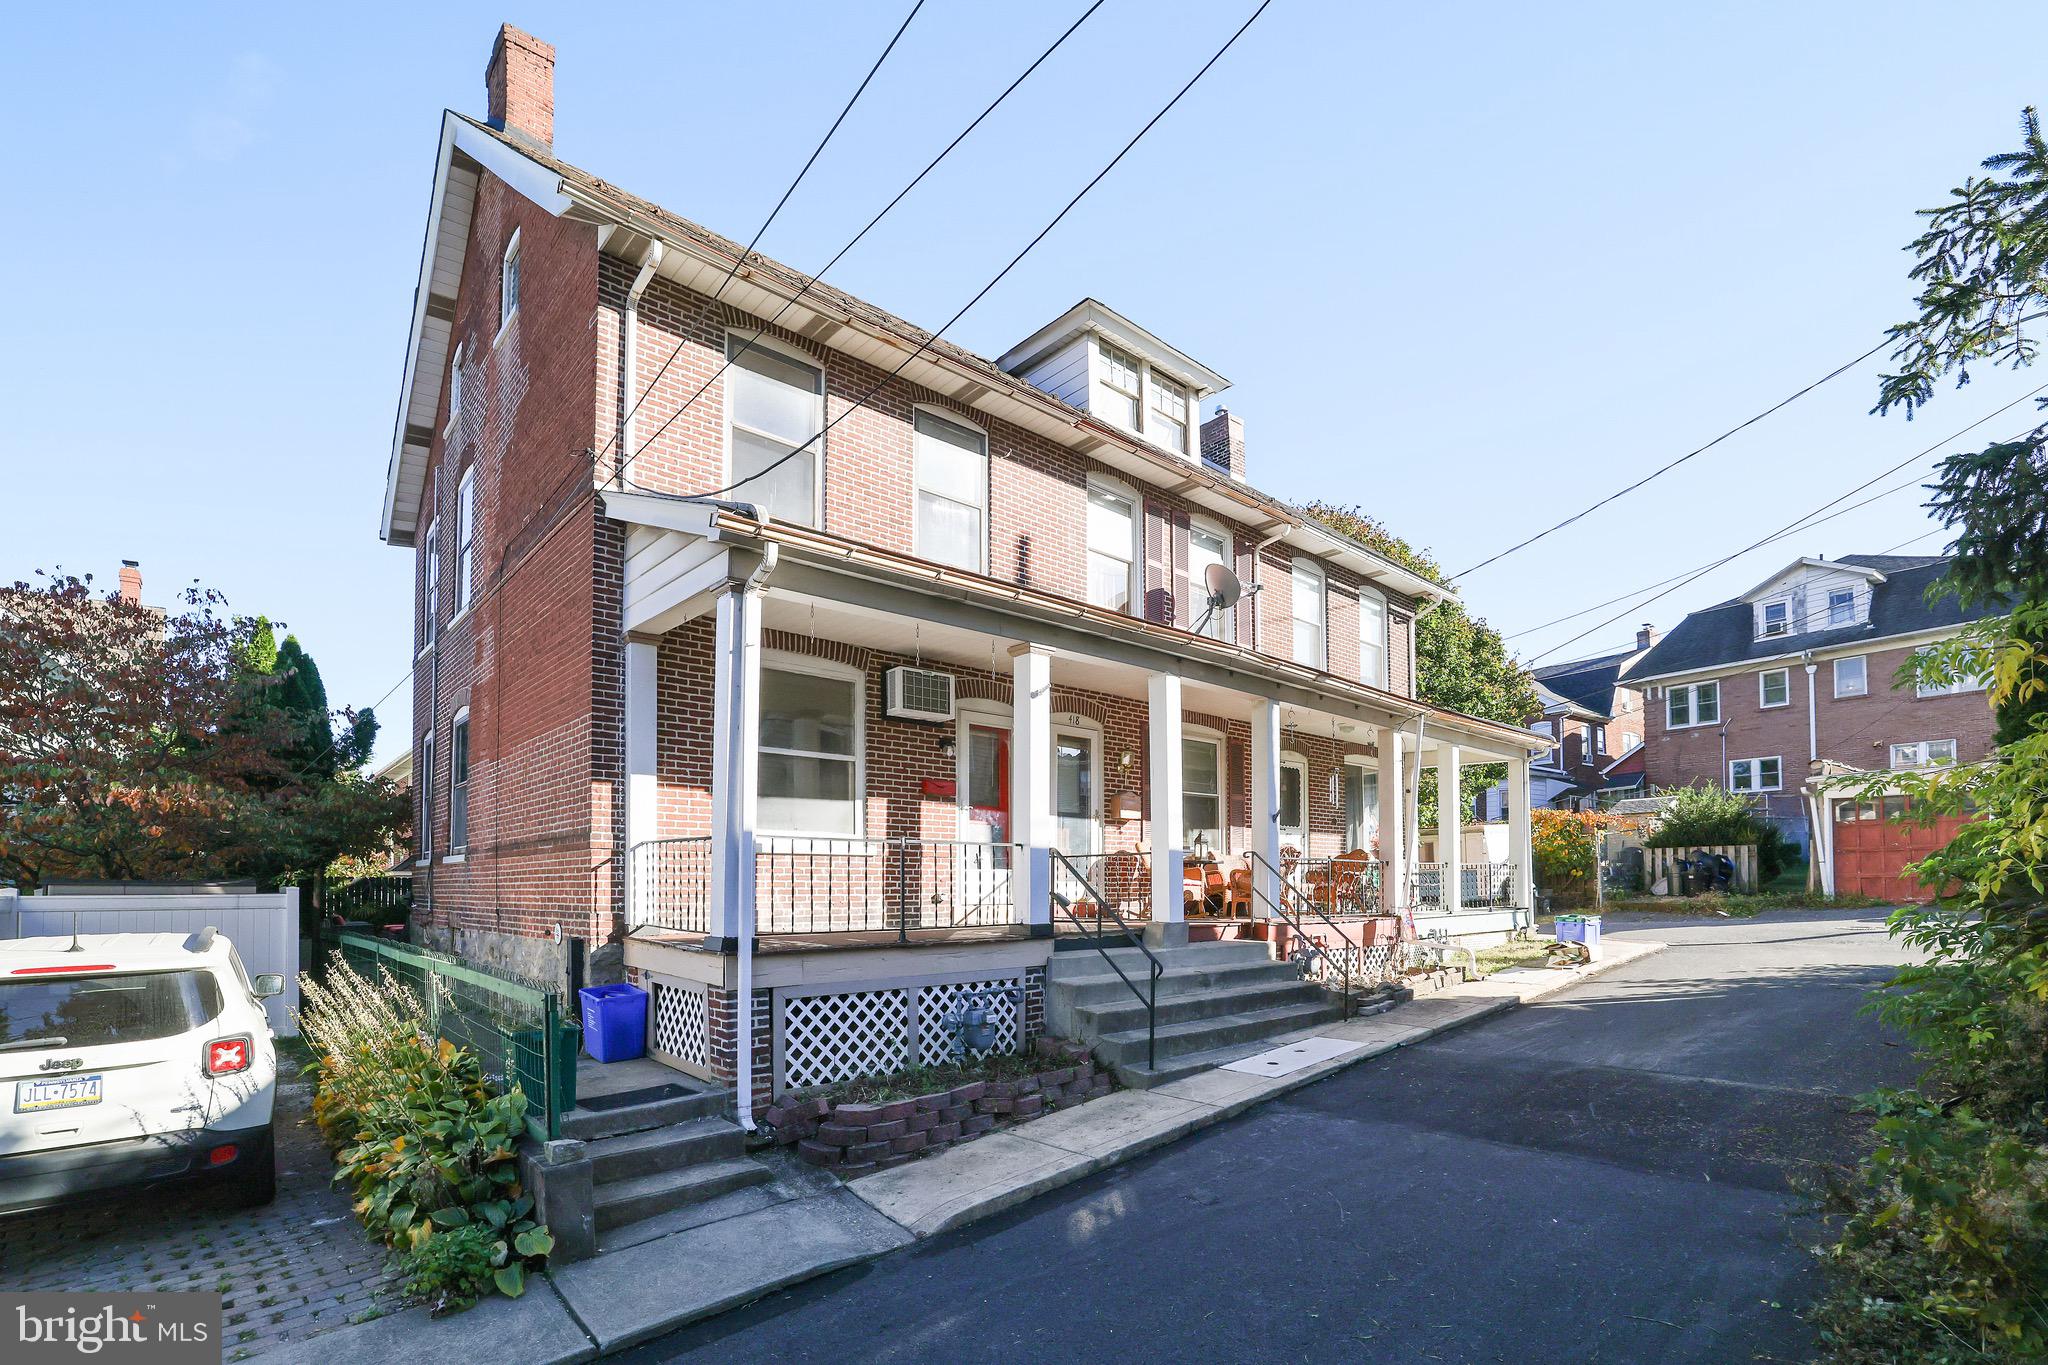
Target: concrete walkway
{"x":755,"y":1242}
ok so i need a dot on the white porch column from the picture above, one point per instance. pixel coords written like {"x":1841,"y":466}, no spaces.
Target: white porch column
{"x":1266,"y":805}
{"x":642,"y":790}
{"x":1393,"y":824}
{"x":1031,"y":804}
{"x":1450,"y":829}
{"x":1521,"y":844}
{"x":1163,"y":795}
{"x":735,"y":764}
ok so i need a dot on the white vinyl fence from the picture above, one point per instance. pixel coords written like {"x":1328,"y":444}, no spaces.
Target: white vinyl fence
{"x":263,"y":927}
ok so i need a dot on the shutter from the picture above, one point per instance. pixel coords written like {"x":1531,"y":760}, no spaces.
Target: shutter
{"x":1156,"y":607}
{"x":1182,"y":609}
{"x":1241,"y":550}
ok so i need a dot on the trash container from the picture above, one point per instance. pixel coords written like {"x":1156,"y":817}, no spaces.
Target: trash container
{"x":614,"y":1022}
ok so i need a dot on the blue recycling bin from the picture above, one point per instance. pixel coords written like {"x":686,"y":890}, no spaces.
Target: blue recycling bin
{"x":614,"y":1022}
{"x":1584,"y":929}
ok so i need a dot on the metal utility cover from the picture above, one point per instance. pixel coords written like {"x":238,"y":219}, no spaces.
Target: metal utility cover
{"x":1285,"y":1061}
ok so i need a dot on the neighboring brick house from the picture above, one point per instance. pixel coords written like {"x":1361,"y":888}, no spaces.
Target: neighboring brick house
{"x":727,"y":633}
{"x":1750,"y":694}
{"x":1594,"y":724}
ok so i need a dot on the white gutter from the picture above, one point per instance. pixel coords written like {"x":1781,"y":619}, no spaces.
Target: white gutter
{"x":629,"y":347}
{"x":743,"y":1029}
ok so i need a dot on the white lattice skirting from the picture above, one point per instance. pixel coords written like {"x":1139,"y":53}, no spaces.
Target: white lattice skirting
{"x":682,"y":1025}
{"x":835,"y":1037}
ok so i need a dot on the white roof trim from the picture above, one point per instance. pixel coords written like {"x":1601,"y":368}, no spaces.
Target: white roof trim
{"x":1811,"y":562}
{"x":523,"y":174}
{"x":1093,"y":315}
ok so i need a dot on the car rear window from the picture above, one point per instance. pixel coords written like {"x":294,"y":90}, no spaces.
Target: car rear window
{"x":87,"y":1011}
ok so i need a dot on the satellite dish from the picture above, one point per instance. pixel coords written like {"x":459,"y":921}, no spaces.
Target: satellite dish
{"x":1224,"y":589}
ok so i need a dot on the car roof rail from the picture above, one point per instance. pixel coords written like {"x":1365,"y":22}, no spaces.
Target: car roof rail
{"x":200,"y":942}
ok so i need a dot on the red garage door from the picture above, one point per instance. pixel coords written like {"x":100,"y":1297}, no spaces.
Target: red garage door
{"x":1873,"y":845}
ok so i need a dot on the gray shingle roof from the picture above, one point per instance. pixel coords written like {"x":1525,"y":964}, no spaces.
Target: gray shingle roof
{"x":1585,"y":682}
{"x":1725,"y":634}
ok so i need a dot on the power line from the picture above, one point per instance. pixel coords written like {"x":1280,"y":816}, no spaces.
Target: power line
{"x":810,"y":161}
{"x":1000,"y":275}
{"x":1665,"y":469}
{"x":1793,"y":525}
{"x":852,"y":242}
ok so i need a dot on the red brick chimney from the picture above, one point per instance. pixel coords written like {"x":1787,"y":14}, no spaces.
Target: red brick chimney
{"x":131,"y":583}
{"x":1223,"y":444}
{"x":520,"y":86}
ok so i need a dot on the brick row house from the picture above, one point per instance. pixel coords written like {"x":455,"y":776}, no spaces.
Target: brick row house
{"x":1596,"y":722}
{"x":1796,"y":677}
{"x":771,"y":650}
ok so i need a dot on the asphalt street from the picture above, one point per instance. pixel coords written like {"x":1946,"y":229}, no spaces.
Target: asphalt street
{"x":1604,"y":1176}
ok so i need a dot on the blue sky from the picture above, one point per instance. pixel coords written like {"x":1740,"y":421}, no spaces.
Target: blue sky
{"x":1470,"y":267}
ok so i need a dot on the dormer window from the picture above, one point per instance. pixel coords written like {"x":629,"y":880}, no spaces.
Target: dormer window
{"x":1841,"y":607}
{"x":1168,"y":423}
{"x":1777,"y":617}
{"x":1123,"y":387}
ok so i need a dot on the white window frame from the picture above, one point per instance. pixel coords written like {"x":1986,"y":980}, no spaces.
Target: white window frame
{"x":816,"y":448}
{"x":465,"y":543}
{"x":1309,"y":567}
{"x":917,"y":489}
{"x":1862,"y":662}
{"x":1848,"y":607}
{"x":1116,"y":488}
{"x":508,"y":272}
{"x":1692,"y":704}
{"x":1598,"y":735}
{"x":430,"y":590}
{"x":782,"y":662}
{"x":1126,"y":360}
{"x":1756,"y":772}
{"x":1159,"y":386}
{"x":1291,"y":759}
{"x":1367,"y":593}
{"x":1223,"y":625}
{"x":1923,"y":755}
{"x":458,"y":751}
{"x":1763,"y":696}
{"x":455,"y":386}
{"x":424,"y":778}
{"x":1957,"y":688}
{"x":1764,"y":619}
{"x":1198,"y":734}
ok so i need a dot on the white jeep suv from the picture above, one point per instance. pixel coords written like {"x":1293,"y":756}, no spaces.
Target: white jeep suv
{"x":130,"y":1060}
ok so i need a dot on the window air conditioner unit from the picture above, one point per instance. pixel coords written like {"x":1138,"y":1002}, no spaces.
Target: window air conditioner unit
{"x":919,"y":694}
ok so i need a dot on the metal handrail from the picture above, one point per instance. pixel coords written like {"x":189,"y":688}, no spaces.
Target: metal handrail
{"x":1257,"y":860}
{"x":1149,"y":997}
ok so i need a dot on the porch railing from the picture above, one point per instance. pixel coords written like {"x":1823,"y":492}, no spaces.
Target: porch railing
{"x":831,"y":884}
{"x":1350,"y":960}
{"x":670,"y":885}
{"x":1347,"y":886}
{"x":1118,"y":882}
{"x":1073,"y":876}
{"x":1483,"y":886}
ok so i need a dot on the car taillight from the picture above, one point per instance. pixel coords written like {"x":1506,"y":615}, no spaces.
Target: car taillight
{"x":221,"y":1156}
{"x":225,"y":1056}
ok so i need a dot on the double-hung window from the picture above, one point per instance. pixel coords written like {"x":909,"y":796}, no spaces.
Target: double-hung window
{"x":952,"y":491}
{"x":1777,"y":619}
{"x":1926,"y":753}
{"x":776,"y":410}
{"x":458,"y":785}
{"x":424,"y":780}
{"x":508,"y":282}
{"x":1841,"y":606}
{"x":465,"y":540}
{"x":1310,"y":592}
{"x":1852,"y":676}
{"x":1774,"y":687}
{"x":1167,"y":424}
{"x":1756,"y":775}
{"x":430,"y":548}
{"x":1122,"y":383}
{"x":1208,"y":547}
{"x":810,"y":752}
{"x":1692,"y":704}
{"x":1952,"y":688}
{"x":1112,"y":541}
{"x":1201,"y":792}
{"x":1372,"y":638}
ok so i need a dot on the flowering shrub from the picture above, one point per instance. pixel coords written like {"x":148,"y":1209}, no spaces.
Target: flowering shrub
{"x":1566,"y":845}
{"x":424,"y":1140}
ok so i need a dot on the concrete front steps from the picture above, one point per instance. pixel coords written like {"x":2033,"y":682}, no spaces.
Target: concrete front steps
{"x":660,"y":1148}
{"x":1215,"y":999}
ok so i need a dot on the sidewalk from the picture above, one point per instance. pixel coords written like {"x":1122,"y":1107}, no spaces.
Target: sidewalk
{"x":808,"y":1225}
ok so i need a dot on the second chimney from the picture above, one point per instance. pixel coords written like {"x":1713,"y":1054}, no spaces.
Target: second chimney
{"x":1646,"y":635}
{"x":131,"y":583}
{"x":519,"y":86}
{"x":1223,"y":444}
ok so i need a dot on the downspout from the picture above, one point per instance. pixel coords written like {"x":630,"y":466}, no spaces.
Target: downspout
{"x":1812,"y":756}
{"x":629,"y":353}
{"x":743,"y":1031}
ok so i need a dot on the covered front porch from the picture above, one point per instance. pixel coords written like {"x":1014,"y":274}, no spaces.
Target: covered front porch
{"x":919,"y":779}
